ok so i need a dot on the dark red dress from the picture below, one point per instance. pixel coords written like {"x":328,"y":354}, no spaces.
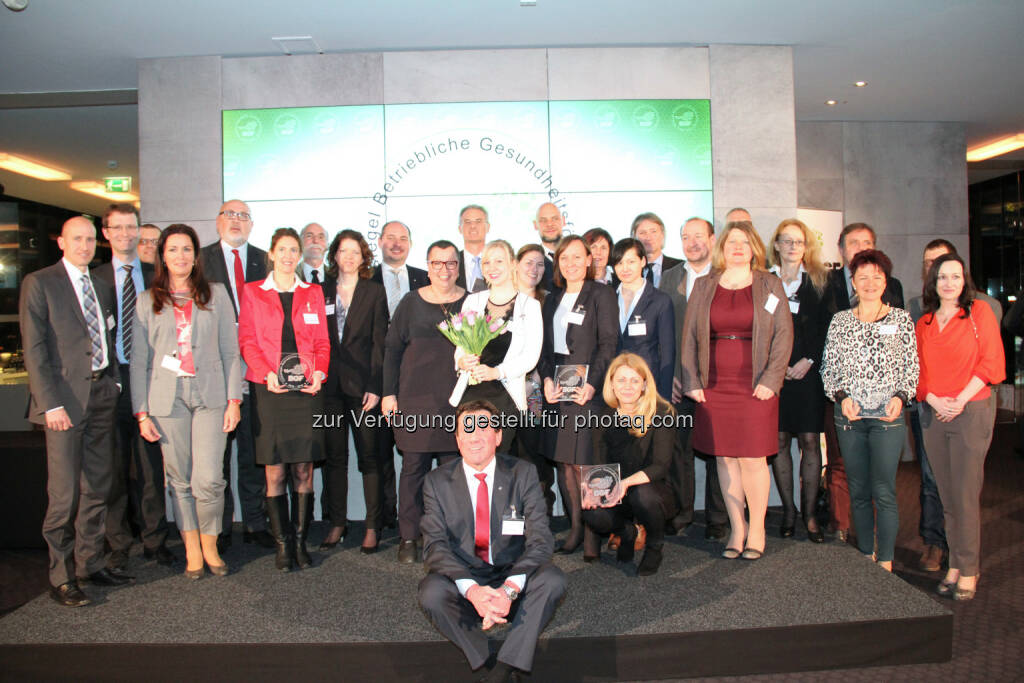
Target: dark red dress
{"x":731,"y":422}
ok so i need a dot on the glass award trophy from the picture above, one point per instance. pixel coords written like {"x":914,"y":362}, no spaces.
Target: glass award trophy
{"x":873,"y":404}
{"x":601,"y":485}
{"x":569,"y":378}
{"x":293,"y":370}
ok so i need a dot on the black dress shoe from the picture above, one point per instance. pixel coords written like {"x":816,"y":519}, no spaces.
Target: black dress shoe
{"x":161,"y":554}
{"x":118,"y":559}
{"x":787,"y":530}
{"x":108,"y":577}
{"x":715,"y":532}
{"x":329,"y":545}
{"x":816,"y":536}
{"x":261,"y":538}
{"x":407,"y":552}
{"x":650,"y":562}
{"x":69,"y":595}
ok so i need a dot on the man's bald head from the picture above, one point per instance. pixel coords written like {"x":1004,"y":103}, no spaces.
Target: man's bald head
{"x":78,"y":241}
{"x":549,"y":224}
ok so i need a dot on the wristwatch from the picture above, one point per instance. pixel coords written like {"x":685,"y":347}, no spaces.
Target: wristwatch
{"x":511,"y":592}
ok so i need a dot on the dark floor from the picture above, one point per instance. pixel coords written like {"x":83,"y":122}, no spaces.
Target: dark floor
{"x":988,"y":631}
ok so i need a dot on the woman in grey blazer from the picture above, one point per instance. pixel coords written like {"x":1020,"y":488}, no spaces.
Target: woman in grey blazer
{"x":187,"y":380}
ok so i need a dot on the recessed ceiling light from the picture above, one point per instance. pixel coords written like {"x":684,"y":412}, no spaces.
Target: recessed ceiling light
{"x":31,"y":168}
{"x":830,"y":103}
{"x":860,"y":84}
{"x":996,"y":148}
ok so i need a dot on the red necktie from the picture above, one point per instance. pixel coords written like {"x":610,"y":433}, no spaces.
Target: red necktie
{"x":239,"y":279}
{"x":483,"y":520}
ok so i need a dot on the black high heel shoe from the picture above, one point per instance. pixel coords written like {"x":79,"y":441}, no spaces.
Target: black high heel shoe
{"x":370,"y":549}
{"x":326,"y":545}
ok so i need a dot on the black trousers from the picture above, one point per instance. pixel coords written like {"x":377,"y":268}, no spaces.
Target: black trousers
{"x":251,"y":482}
{"x":682,"y":477}
{"x":342,"y":413}
{"x":136,"y":496}
{"x":415,"y":467}
{"x":649,"y":504}
{"x":457,"y":620}
{"x":388,"y":477}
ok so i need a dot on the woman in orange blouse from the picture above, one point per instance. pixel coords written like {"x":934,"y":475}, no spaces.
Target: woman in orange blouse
{"x":961,"y":354}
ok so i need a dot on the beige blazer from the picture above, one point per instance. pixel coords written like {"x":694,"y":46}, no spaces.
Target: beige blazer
{"x":772,"y":335}
{"x":214,"y":354}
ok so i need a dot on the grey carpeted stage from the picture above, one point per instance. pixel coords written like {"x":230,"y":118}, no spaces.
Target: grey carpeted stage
{"x":355,"y":617}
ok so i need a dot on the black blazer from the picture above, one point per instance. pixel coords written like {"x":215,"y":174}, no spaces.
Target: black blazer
{"x":651,"y":453}
{"x":892,"y":296}
{"x":594,"y":342}
{"x":810,"y":322}
{"x":547,"y":282}
{"x":55,"y":337}
{"x":105,"y":273}
{"x":449,"y":525}
{"x":480,"y":284}
{"x":417,"y":277}
{"x":357,"y":363}
{"x":216,"y":270}
{"x":657,"y":347}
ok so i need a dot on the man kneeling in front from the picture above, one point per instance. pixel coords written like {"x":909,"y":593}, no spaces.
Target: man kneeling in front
{"x":487,"y":548}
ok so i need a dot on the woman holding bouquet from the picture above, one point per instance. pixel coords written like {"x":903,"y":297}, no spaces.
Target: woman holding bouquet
{"x":499,"y":372}
{"x":580,"y":328}
{"x":418,"y":376}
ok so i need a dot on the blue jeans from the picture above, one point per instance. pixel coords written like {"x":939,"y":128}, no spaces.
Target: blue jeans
{"x":871,"y":451}
{"x":932,"y":525}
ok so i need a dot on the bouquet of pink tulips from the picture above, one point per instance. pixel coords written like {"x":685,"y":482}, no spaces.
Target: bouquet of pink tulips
{"x":470,"y":332}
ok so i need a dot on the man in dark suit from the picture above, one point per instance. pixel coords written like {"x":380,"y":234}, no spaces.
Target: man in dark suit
{"x":550,"y":225}
{"x":854,"y":238}
{"x":650,"y":230}
{"x":394,"y":243}
{"x":487,"y":548}
{"x":233,"y":262}
{"x":137,"y":490}
{"x":66,"y":325}
{"x":698,"y":236}
{"x":473,"y":226}
{"x":314,"y":248}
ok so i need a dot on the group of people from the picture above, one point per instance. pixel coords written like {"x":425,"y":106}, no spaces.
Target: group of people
{"x":726,"y":356}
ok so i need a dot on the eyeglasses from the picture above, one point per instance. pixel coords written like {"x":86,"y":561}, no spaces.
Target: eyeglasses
{"x":149,"y":241}
{"x":788,"y":243}
{"x":438,"y":265}
{"x":122,"y":228}
{"x":233,"y":215}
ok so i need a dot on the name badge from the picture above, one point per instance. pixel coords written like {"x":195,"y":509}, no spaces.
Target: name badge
{"x":329,"y":309}
{"x":771,"y":303}
{"x":574,"y":318}
{"x":310,"y":318}
{"x":513,"y":527}
{"x":794,"y":307}
{"x":886,"y":329}
{"x":171,"y":363}
{"x":636,"y":329}
{"x":111,"y":323}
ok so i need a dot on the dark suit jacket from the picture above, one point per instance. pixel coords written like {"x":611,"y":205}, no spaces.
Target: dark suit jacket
{"x":480,"y":284}
{"x":594,"y":342}
{"x":449,"y":522}
{"x":657,"y":347}
{"x":417,"y":277}
{"x":105,"y":273}
{"x":547,"y":282}
{"x":216,"y":270}
{"x":58,"y":351}
{"x":652,"y":453}
{"x":892,"y":296}
{"x":810,"y":323}
{"x":357,"y":363}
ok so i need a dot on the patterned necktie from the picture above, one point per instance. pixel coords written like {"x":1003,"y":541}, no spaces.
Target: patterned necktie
{"x":475,"y":275}
{"x":92,"y":321}
{"x":315,"y":277}
{"x":239,"y":279}
{"x":483,"y":520}
{"x":394,"y":290}
{"x":127,"y":311}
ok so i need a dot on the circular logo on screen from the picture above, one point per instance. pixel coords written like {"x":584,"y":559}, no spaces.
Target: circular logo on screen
{"x":645,"y":117}
{"x":606,"y":118}
{"x":248,"y":127}
{"x":286,"y":125}
{"x":684,"y":117}
{"x":325,"y":124}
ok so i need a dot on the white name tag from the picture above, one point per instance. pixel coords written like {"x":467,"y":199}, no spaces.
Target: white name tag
{"x":636,"y":329}
{"x":310,"y":318}
{"x":886,"y":329}
{"x":574,"y":318}
{"x":771,"y":303}
{"x":329,"y":309}
{"x":513,"y":527}
{"x":111,"y":323}
{"x":171,"y":363}
{"x":794,"y":307}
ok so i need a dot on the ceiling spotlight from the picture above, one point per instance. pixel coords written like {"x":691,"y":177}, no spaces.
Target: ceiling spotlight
{"x":860,"y":84}
{"x":996,"y":148}
{"x":830,"y":103}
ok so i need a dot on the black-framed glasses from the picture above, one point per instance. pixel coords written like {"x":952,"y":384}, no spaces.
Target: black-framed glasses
{"x":438,"y":265}
{"x":791,"y":243}
{"x":233,"y":215}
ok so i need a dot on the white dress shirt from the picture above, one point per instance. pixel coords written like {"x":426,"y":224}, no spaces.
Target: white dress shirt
{"x":692,"y":275}
{"x":229,"y":261}
{"x":560,"y":324}
{"x":76,"y":275}
{"x":307,"y":271}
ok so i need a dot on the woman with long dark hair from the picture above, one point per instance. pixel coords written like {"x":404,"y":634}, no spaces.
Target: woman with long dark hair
{"x":186,"y":395}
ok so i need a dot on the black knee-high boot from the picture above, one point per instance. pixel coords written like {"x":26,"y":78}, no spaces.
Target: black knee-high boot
{"x":281,"y":530}
{"x":302,"y":516}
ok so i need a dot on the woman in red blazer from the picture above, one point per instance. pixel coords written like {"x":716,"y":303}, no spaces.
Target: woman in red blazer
{"x":282,"y":333}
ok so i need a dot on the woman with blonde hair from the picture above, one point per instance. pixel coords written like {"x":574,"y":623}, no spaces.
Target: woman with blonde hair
{"x":795,"y":257}
{"x":637,"y":431}
{"x":737,"y":338}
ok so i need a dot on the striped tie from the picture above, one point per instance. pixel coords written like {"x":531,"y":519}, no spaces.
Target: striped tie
{"x":92,"y":321}
{"x":127,"y":311}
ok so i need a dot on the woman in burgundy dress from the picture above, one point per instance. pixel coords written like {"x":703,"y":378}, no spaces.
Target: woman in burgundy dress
{"x":737,"y":339}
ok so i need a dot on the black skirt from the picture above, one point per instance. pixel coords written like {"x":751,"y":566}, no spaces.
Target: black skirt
{"x":282,"y":426}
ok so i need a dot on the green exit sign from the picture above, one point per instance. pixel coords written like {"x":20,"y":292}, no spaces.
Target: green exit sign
{"x":118,"y":184}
